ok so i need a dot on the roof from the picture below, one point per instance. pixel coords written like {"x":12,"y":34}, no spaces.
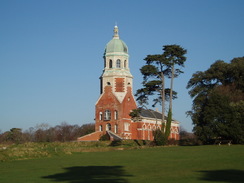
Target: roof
{"x":149,"y":113}
{"x":116,"y":44}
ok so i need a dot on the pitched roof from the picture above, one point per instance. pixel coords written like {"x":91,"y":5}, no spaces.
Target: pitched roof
{"x":149,"y":113}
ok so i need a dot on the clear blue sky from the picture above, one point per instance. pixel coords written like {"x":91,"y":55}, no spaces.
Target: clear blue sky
{"x":51,"y":51}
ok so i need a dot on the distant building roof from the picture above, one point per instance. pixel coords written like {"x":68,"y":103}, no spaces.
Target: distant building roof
{"x":149,"y":113}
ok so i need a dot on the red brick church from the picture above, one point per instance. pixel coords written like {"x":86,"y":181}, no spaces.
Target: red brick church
{"x":116,"y":101}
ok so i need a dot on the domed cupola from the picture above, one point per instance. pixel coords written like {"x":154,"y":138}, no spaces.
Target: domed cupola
{"x":116,"y":45}
{"x":116,"y":73}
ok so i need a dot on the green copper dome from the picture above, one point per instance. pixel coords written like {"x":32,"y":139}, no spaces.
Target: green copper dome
{"x":116,"y":44}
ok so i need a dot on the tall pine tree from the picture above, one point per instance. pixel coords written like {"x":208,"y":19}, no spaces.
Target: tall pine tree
{"x":155,"y":70}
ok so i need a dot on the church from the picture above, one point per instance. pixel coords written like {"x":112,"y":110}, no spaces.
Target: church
{"x":116,"y":101}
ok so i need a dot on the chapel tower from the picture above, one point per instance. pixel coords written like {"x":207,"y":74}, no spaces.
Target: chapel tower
{"x":116,"y":67}
{"x":116,"y":99}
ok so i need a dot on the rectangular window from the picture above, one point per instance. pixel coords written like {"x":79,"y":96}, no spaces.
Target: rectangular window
{"x":127,"y":126}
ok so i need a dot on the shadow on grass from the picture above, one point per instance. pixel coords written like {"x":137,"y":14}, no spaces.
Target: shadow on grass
{"x":232,"y":176}
{"x":89,"y":174}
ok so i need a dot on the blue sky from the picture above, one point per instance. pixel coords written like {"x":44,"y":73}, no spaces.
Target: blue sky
{"x":51,"y":51}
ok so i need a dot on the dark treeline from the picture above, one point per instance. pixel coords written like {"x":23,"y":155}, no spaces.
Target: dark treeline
{"x":45,"y":133}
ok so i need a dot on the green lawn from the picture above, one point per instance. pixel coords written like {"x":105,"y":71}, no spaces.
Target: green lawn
{"x":149,"y":165}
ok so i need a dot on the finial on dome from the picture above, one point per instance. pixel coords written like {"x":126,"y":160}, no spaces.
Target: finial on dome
{"x":116,"y":31}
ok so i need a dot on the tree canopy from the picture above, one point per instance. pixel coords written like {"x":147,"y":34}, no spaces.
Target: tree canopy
{"x":218,"y":101}
{"x":155,"y":70}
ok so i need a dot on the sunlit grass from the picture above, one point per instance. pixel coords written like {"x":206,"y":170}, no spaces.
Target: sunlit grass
{"x":30,"y":150}
{"x":159,"y":164}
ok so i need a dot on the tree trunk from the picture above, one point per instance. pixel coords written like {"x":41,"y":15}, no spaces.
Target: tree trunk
{"x":171,"y":88}
{"x":163,"y":100}
{"x":169,"y":117}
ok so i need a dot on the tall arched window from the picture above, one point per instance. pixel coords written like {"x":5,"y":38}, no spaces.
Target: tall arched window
{"x":118,"y":63}
{"x":100,"y":128}
{"x":116,"y":129}
{"x":100,"y":115}
{"x":108,"y":126}
{"x":110,"y":63}
{"x":115,"y":115}
{"x":125,"y":64}
{"x":107,"y":115}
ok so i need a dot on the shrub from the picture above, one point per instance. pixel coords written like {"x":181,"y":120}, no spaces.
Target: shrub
{"x":159,"y":138}
{"x":173,"y":142}
{"x":188,"y":139}
{"x":116,"y":143}
{"x":104,"y":137}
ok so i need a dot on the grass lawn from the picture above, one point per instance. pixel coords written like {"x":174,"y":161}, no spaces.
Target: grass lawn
{"x":149,"y":165}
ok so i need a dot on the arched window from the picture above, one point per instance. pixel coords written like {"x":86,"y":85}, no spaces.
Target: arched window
{"x":118,"y":63}
{"x":100,"y":128}
{"x":110,"y":63}
{"x":116,"y":129}
{"x":125,"y":64}
{"x":100,"y":115}
{"x":108,"y":126}
{"x":154,"y":127}
{"x":107,"y":115}
{"x":115,"y":115}
{"x":177,"y":130}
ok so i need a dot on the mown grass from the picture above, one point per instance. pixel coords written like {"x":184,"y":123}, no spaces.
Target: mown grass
{"x":157,"y":164}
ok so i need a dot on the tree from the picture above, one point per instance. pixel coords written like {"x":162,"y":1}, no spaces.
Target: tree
{"x":86,"y":129}
{"x":218,"y":95}
{"x":154,"y":72}
{"x":175,"y":56}
{"x":15,"y":135}
{"x":187,"y":138}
